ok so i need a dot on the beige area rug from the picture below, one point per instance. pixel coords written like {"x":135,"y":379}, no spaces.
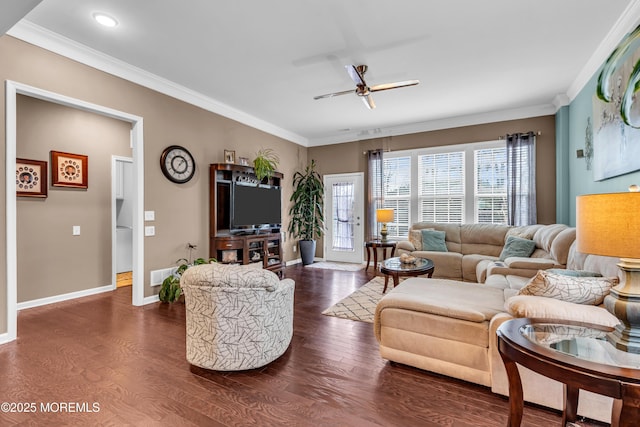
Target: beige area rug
{"x":342,"y":266}
{"x":361,"y":304}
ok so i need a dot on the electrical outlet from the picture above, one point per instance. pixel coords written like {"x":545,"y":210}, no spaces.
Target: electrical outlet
{"x":295,"y":248}
{"x":150,"y":230}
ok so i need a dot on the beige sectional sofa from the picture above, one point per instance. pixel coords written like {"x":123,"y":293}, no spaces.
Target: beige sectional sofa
{"x":473,"y":250}
{"x":449,"y":326}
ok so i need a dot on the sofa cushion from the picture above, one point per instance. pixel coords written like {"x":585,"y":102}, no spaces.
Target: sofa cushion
{"x":550,"y":308}
{"x":517,"y":247}
{"x":433,"y":240}
{"x":484,"y":239}
{"x":579,"y":290}
{"x":448,"y":265}
{"x":545,"y":235}
{"x":470,"y":267}
{"x":465,"y":301}
{"x":509,"y":281}
{"x":562,"y":244}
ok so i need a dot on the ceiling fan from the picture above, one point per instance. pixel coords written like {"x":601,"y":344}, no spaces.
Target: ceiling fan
{"x":357,"y":75}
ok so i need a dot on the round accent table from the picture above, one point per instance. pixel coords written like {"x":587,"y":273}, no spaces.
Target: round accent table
{"x":575,"y":354}
{"x":394,"y":268}
{"x":373,"y":245}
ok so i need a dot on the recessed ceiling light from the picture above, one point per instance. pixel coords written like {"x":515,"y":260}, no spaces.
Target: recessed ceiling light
{"x":104,"y":19}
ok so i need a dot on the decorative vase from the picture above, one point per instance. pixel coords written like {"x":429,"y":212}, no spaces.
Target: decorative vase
{"x":307,"y":251}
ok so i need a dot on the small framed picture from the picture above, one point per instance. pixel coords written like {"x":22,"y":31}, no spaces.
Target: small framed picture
{"x":229,"y":156}
{"x":31,"y":178}
{"x":69,"y":170}
{"x":244,"y":161}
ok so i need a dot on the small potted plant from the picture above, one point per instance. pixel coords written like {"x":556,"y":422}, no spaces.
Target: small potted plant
{"x":265,"y":163}
{"x":306,"y":213}
{"x":170,"y":291}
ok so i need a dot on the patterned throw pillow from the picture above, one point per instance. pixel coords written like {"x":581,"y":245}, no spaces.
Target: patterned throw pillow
{"x":517,"y":246}
{"x":579,"y":290}
{"x":415,"y":237}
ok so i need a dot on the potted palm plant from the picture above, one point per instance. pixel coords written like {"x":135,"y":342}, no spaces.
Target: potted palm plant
{"x":306,"y":216}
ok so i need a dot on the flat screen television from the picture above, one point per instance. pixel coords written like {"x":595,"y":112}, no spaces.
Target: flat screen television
{"x":255,"y":207}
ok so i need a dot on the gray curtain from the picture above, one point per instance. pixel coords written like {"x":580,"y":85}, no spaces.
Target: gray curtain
{"x":374,"y":193}
{"x":521,"y":178}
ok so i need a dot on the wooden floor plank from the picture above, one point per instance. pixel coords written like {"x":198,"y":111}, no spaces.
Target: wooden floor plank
{"x":131,"y":362}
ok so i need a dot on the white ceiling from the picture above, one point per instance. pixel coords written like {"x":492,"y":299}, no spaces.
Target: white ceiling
{"x":262,"y":62}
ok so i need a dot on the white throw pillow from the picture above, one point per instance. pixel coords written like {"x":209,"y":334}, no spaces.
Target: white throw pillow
{"x":549,"y":308}
{"x":579,"y":290}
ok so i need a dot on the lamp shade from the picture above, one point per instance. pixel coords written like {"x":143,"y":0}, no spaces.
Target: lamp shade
{"x":384,"y":215}
{"x":608,"y":224}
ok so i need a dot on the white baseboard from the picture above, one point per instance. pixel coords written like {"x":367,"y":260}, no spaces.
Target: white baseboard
{"x":150,"y":300}
{"x":63,"y":297}
{"x":4,"y":338}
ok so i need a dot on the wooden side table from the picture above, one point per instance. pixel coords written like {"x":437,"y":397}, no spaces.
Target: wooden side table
{"x":394,"y":267}
{"x":373,"y":245}
{"x":572,"y":353}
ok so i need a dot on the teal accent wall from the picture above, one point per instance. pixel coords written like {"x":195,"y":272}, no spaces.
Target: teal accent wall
{"x":563,"y":215}
{"x":568,"y":166}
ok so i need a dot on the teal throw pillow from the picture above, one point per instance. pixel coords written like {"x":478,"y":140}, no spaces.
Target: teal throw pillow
{"x":517,"y":246}
{"x":574,"y":273}
{"x":433,"y":240}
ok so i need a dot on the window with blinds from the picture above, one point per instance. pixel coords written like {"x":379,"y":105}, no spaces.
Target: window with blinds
{"x":397,"y":193}
{"x":451,"y":184}
{"x":490,"y":196}
{"x":441,"y":188}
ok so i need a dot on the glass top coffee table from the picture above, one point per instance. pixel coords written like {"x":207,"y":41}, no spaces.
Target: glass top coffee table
{"x":575,"y":354}
{"x":394,"y":268}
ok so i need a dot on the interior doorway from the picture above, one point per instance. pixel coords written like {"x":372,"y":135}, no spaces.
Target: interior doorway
{"x":122,"y":220}
{"x":344,"y":217}
{"x":12,"y":90}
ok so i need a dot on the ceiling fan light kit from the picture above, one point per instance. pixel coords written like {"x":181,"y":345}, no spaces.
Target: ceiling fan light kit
{"x":362,"y":89}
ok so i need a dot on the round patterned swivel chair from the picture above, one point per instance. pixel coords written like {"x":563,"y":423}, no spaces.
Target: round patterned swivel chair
{"x":238,"y":317}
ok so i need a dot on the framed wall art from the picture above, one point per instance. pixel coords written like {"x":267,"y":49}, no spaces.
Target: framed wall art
{"x":31,"y":178}
{"x":229,"y":156}
{"x":69,"y":170}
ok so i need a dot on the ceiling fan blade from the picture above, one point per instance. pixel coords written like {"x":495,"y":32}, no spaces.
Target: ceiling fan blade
{"x":331,"y":95}
{"x":368,"y":101}
{"x":387,"y":86}
{"x":355,"y":75}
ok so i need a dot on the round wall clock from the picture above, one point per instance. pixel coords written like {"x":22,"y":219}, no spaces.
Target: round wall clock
{"x":177,"y":164}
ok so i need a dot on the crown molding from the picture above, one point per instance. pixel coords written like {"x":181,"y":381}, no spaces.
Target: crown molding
{"x":53,"y":42}
{"x":431,"y":125}
{"x":628,"y":21}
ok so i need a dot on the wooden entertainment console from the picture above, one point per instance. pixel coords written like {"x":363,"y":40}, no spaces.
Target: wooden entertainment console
{"x":264,"y":246}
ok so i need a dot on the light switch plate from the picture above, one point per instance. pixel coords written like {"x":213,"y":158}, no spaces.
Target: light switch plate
{"x":149,"y":215}
{"x":76,"y":230}
{"x":150,"y":230}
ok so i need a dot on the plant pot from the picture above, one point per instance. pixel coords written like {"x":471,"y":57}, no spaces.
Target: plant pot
{"x":307,"y":251}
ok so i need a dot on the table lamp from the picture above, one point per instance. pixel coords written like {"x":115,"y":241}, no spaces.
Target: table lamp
{"x":384,"y":216}
{"x":608,"y":224}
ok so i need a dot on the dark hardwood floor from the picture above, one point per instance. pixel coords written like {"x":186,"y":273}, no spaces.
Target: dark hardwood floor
{"x":100,"y":361}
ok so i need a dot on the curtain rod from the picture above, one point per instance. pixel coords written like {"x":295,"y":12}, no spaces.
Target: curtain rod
{"x":384,"y":150}
{"x":538,"y":133}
